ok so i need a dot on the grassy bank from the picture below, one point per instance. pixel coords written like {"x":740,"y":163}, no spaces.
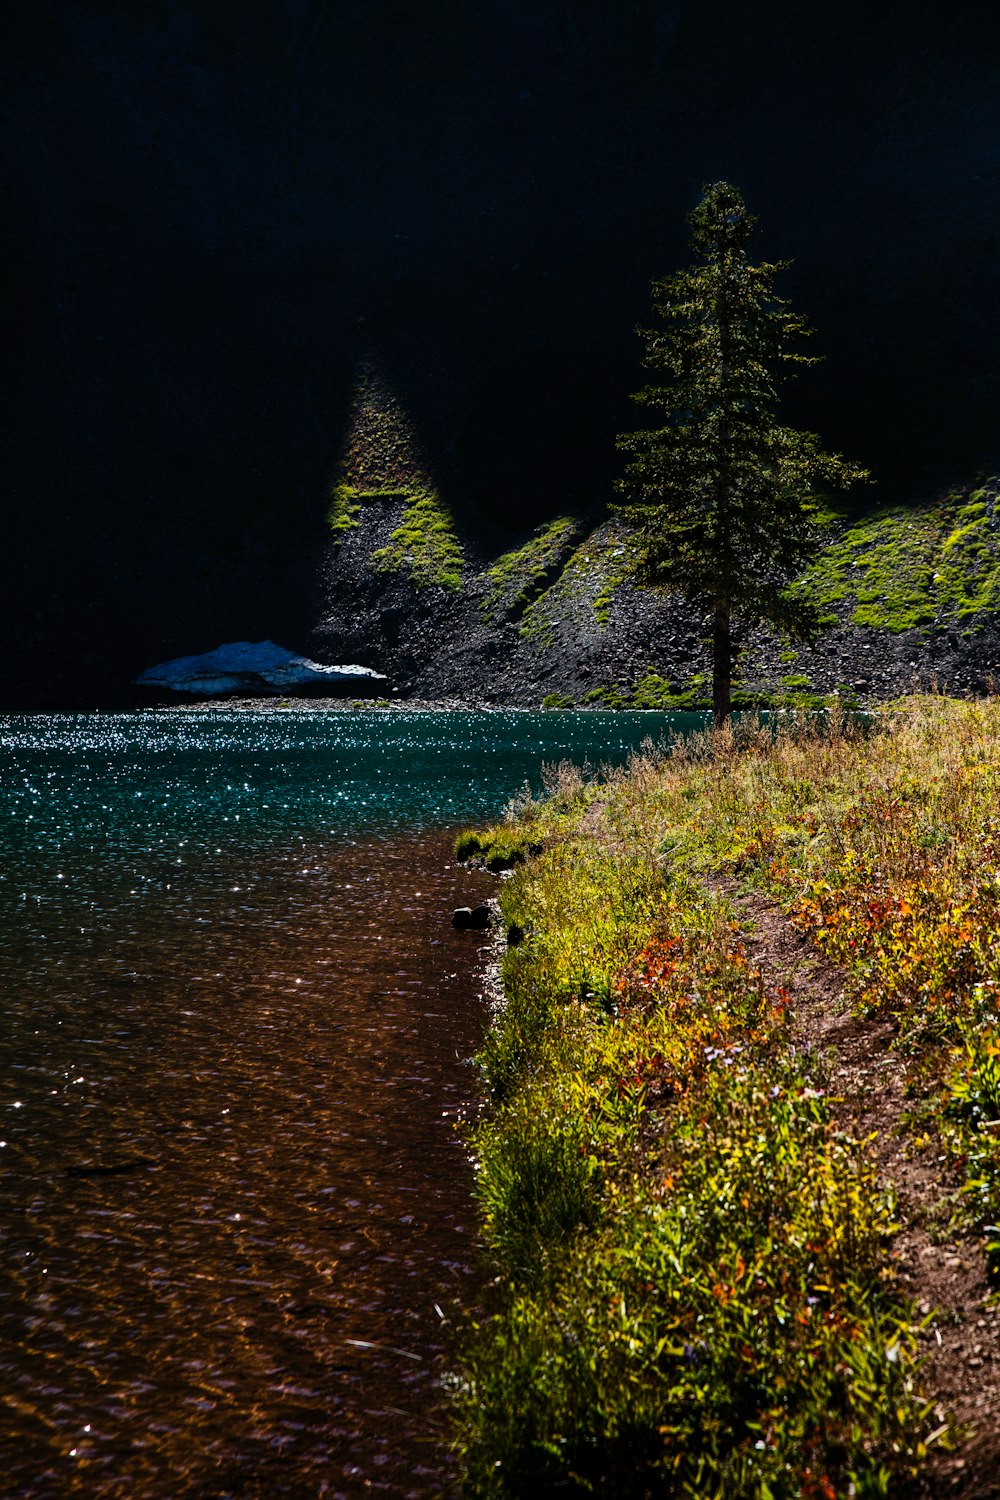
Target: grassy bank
{"x":696,"y":1288}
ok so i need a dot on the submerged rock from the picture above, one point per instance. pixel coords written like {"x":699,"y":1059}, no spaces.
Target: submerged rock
{"x":471,"y":916}
{"x":257,"y":668}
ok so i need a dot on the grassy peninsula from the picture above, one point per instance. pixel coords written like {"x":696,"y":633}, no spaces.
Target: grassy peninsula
{"x":740,"y":1170}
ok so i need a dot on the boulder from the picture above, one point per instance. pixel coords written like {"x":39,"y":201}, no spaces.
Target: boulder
{"x":257,"y":669}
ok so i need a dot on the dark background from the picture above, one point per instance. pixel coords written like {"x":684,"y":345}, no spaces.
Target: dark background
{"x":215,"y":211}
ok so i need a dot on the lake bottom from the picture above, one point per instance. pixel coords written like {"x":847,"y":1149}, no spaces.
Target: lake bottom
{"x":237,"y":1211}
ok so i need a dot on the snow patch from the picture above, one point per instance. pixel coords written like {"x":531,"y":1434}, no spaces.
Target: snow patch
{"x":252,"y":667}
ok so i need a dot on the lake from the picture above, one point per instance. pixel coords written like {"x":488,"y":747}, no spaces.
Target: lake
{"x":236,"y":1230}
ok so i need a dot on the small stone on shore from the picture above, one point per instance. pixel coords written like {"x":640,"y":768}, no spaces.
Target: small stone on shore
{"x":477,"y":917}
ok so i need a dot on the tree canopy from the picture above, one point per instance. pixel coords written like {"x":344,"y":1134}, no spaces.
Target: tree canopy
{"x":723,"y":498}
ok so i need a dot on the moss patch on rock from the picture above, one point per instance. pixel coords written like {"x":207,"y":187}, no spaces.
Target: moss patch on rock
{"x":902,"y":568}
{"x":344,"y":513}
{"x":424,"y":544}
{"x":596,"y":569}
{"x":650,"y":691}
{"x":517,"y":577}
{"x":383,"y":462}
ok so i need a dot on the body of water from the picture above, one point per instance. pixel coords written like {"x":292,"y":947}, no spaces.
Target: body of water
{"x":235,"y":1217}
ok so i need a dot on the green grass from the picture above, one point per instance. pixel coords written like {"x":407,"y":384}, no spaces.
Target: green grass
{"x":424,"y":544}
{"x":518,"y":576}
{"x":651,"y":691}
{"x":694,"y":1292}
{"x":898,"y":569}
{"x":497,"y":849}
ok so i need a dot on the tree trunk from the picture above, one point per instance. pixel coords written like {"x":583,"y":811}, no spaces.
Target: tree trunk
{"x":722,"y":664}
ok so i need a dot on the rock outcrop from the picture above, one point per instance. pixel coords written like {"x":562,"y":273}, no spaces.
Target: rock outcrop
{"x":909,"y":596}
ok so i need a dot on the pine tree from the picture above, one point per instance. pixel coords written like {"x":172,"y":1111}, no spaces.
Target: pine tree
{"x":721,"y":497}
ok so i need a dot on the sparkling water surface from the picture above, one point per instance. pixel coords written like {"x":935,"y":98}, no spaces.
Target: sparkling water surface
{"x":235,"y":1217}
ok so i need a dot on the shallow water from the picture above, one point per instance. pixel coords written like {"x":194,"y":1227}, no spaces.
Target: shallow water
{"x":236,"y":1227}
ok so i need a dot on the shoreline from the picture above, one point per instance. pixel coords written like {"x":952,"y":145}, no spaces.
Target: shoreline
{"x":743,"y":1129}
{"x":291,"y":703}
{"x":409,"y":705}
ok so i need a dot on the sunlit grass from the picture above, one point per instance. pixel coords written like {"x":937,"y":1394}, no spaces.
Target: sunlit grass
{"x":695,"y":1291}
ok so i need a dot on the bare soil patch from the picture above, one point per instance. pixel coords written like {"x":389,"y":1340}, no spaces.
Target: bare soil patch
{"x":944,"y":1276}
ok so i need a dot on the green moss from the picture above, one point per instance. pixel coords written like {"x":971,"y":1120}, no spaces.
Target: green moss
{"x":424,"y":544}
{"x":900,"y":568}
{"x":518,"y":576}
{"x":556,"y":700}
{"x":612,"y":697}
{"x":654,"y":692}
{"x":597,"y":568}
{"x":344,"y":513}
{"x":622,"y":565}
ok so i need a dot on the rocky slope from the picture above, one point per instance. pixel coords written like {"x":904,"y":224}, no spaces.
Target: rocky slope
{"x":911,"y":595}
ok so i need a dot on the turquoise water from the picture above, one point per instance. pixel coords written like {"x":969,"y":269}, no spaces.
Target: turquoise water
{"x":133,"y":804}
{"x":133,"y":783}
{"x":236,"y":1225}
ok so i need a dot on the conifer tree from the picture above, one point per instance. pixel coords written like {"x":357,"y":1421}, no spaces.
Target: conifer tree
{"x":721,"y":497}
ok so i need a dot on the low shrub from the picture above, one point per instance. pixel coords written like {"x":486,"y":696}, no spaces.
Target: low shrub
{"x":498,"y":849}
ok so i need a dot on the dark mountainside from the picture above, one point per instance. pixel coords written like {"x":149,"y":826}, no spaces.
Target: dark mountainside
{"x":218,"y":215}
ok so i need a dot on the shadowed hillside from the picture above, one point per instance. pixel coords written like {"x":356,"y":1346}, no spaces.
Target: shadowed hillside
{"x":216,"y":214}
